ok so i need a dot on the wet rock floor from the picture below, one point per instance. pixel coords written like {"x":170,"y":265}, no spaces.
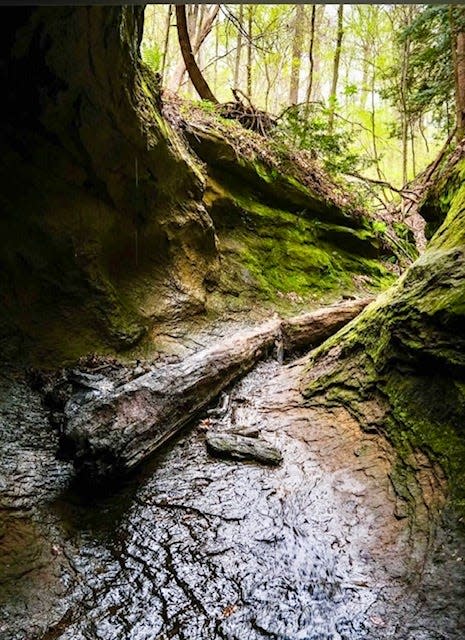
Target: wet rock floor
{"x":193,"y":547}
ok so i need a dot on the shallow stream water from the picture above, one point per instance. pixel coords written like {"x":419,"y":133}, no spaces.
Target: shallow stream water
{"x":192,"y":547}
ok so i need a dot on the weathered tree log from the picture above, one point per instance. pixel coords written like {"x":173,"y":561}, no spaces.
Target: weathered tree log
{"x":310,"y":329}
{"x":121,"y":427}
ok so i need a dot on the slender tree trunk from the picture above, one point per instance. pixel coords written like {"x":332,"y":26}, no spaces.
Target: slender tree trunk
{"x":237,"y":64}
{"x":365,"y":68}
{"x":316,"y":82}
{"x":336,"y":62}
{"x":217,"y":53}
{"x":191,"y":16}
{"x":404,"y":97}
{"x":193,"y":70}
{"x":412,"y":144}
{"x":422,"y":131}
{"x":373,"y":123}
{"x":268,"y":86}
{"x":310,"y":57}
{"x":457,"y":23}
{"x":166,"y":43}
{"x":194,"y":16}
{"x":199,"y":29}
{"x":296,"y":53}
{"x":249,"y":50}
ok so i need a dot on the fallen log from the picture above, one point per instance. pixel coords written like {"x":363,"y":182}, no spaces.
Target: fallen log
{"x":310,"y":329}
{"x":119,"y":428}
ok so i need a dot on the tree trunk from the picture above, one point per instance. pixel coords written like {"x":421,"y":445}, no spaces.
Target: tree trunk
{"x":166,"y":43}
{"x":457,"y":23}
{"x":412,"y":145}
{"x":310,"y":56}
{"x":365,"y":68}
{"x":316,"y":82}
{"x":373,"y":123}
{"x":122,"y":427}
{"x":198,"y":31}
{"x":237,"y":65}
{"x":249,"y":50}
{"x":194,"y":15}
{"x":308,"y":330}
{"x":269,"y":84}
{"x":461,"y":83}
{"x":296,"y":54}
{"x":193,"y":70}
{"x":404,"y":98}
{"x":217,"y":53}
{"x":337,"y":58}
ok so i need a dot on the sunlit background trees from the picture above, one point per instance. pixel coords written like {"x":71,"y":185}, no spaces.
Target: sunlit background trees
{"x":375,"y":88}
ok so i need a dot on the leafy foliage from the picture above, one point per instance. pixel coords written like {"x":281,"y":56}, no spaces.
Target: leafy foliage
{"x":152,"y":56}
{"x":307,"y":127}
{"x":369,"y":86}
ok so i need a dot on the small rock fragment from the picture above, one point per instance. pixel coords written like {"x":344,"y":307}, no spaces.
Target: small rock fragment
{"x":238,"y":447}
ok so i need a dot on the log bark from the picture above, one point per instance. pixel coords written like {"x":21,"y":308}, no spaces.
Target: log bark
{"x":120,"y":428}
{"x":310,"y":329}
{"x":237,"y":447}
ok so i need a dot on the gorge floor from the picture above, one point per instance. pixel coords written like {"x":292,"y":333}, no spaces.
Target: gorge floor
{"x":193,"y":547}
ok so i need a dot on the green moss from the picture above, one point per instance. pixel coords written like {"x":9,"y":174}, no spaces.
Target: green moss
{"x":273,"y":253}
{"x":407,"y":351}
{"x":240,"y":172}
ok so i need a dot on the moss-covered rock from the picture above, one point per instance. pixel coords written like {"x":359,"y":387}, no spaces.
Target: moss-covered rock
{"x":283,"y":242}
{"x":406,"y":355}
{"x":272,"y":187}
{"x":112,"y":224}
{"x":444,"y":183}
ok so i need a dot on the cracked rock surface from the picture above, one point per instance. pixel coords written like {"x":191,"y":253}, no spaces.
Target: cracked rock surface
{"x":192,"y":547}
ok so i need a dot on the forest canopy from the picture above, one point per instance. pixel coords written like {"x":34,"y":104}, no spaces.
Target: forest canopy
{"x":372,"y":89}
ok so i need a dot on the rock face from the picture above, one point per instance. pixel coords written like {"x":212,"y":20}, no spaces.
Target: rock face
{"x":112,"y":224}
{"x":286,"y":231}
{"x":103,"y":228}
{"x":400,"y":367}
